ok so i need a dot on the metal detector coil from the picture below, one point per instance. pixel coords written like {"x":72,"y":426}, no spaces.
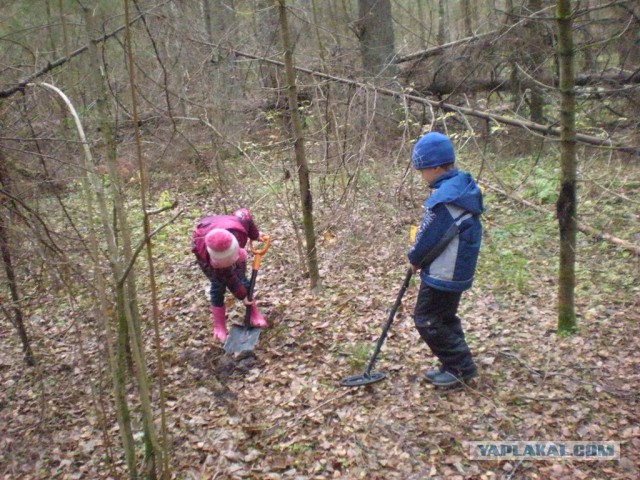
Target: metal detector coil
{"x":362,"y":379}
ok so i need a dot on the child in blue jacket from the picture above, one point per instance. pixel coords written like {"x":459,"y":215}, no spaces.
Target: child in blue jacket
{"x":446,"y":252}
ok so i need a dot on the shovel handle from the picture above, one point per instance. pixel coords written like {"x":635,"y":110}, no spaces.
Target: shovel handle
{"x":258,"y":253}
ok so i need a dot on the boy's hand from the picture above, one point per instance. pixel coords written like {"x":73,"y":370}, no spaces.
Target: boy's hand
{"x":414,"y":268}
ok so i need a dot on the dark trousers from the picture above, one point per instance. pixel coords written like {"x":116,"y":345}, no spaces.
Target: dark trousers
{"x":439,"y":326}
{"x":218,"y":288}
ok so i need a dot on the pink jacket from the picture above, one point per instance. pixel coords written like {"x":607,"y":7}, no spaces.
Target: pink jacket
{"x":243,"y":228}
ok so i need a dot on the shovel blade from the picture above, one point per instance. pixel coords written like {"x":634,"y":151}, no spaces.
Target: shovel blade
{"x":241,"y":339}
{"x":362,"y":379}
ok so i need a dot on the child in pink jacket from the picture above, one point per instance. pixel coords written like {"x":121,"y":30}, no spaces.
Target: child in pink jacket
{"x":218,"y":243}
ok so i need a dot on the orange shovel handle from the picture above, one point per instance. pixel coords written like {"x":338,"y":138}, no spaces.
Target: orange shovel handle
{"x":258,"y":253}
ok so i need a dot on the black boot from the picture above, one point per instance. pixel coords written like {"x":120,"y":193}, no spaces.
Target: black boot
{"x":430,"y":374}
{"x":448,"y":379}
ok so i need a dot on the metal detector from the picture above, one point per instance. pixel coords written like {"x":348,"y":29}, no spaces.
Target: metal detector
{"x":368,"y":377}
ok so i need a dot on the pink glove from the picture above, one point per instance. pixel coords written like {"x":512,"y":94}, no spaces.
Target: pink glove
{"x":242,"y":255}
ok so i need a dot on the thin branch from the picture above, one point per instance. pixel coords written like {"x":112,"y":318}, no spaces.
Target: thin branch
{"x":52,"y":244}
{"x":19,"y":87}
{"x":162,"y":209}
{"x":142,"y":244}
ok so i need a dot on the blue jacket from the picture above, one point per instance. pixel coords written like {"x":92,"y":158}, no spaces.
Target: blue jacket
{"x":456,"y":199}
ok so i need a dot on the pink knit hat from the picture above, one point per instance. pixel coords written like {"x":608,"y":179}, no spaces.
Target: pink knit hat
{"x":222,"y":247}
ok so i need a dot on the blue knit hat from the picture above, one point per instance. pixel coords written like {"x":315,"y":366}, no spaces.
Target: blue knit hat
{"x":432,"y":150}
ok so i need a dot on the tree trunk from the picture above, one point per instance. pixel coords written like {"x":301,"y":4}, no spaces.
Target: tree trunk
{"x":422,"y":24}
{"x":587,"y":50}
{"x":377,"y":50}
{"x":566,"y":207}
{"x":14,"y":314}
{"x":514,"y":77}
{"x":317,"y":22}
{"x":301,"y":161}
{"x":118,"y":360}
{"x":377,"y":41}
{"x":468,"y":17}
{"x":50,"y":22}
{"x":265,"y":30}
{"x":220,"y":24}
{"x":155,"y":457}
{"x":442,"y":19}
{"x":157,"y":454}
{"x":533,"y":61}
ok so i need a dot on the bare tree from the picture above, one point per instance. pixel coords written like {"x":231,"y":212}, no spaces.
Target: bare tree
{"x":301,"y":160}
{"x":442,"y":21}
{"x":14,"y":313}
{"x":468,"y":14}
{"x":374,"y":29}
{"x":534,"y":62}
{"x":265,"y":27}
{"x":377,"y":40}
{"x":220,"y":23}
{"x":566,"y":205}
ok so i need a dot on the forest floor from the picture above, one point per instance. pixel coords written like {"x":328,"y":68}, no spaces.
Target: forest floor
{"x":281,"y":413}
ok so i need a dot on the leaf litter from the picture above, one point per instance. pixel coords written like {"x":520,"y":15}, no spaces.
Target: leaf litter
{"x":279,"y":412}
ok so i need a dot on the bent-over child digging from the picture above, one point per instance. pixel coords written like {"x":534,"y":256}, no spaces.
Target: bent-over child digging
{"x":218,"y":243}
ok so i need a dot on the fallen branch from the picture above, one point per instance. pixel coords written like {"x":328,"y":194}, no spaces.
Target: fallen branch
{"x":586,"y":229}
{"x":162,"y":209}
{"x":446,"y":107}
{"x":430,"y":52}
{"x":603,"y":388}
{"x":589,"y":230}
{"x":547,"y":399}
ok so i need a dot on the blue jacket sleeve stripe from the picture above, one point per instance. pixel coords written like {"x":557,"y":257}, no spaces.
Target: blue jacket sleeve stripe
{"x":430,"y":233}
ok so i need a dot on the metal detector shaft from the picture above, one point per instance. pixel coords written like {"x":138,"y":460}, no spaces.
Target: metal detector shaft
{"x":387,"y":325}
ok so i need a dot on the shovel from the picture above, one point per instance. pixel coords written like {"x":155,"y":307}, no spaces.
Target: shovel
{"x":244,"y":337}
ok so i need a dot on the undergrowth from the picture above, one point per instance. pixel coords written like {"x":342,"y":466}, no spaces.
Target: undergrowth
{"x":362,"y":226}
